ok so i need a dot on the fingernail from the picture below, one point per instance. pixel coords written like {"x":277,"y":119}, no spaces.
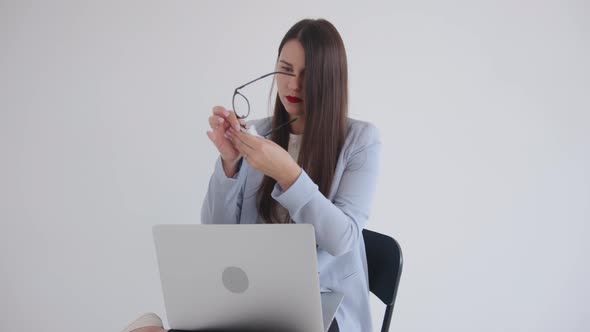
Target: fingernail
{"x":226,"y":112}
{"x":220,"y":120}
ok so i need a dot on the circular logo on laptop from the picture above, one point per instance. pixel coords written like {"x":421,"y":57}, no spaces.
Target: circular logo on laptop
{"x":235,"y":279}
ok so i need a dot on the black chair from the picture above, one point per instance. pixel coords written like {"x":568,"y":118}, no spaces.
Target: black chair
{"x":384,"y":262}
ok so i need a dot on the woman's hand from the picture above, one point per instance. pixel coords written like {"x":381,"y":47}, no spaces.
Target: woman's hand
{"x":220,"y":121}
{"x":266,"y":156}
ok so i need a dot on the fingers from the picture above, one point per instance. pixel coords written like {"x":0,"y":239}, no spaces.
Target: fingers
{"x":239,"y":143}
{"x":220,"y":111}
{"x":218,"y":117}
{"x":211,"y":136}
{"x":224,"y":116}
{"x":248,"y":138}
{"x":233,"y":120}
{"x":215,"y":121}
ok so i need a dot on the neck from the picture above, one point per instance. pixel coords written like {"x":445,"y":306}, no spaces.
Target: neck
{"x":297,"y":126}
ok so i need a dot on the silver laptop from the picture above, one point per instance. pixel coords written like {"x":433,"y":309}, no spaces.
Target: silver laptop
{"x":242,"y":277}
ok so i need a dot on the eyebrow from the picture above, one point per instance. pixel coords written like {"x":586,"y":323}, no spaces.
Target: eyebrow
{"x":288,"y":64}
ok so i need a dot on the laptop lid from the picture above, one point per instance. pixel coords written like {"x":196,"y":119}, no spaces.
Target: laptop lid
{"x":258,"y":277}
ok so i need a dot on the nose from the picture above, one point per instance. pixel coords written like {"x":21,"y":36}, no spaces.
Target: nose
{"x":295,"y":83}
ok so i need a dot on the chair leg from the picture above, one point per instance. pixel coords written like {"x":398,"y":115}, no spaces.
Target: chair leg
{"x":387,"y":318}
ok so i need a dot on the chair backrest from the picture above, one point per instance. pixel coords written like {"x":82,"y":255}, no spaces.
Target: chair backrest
{"x":384,"y":262}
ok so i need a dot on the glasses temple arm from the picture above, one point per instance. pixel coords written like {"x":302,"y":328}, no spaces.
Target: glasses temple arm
{"x":263,"y":76}
{"x":279,"y":127}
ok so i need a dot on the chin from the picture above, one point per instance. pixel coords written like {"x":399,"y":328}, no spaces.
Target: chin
{"x":291,"y":109}
{"x":293,"y":112}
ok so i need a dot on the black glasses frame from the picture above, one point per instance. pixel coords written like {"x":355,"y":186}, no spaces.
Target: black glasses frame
{"x":236,"y":92}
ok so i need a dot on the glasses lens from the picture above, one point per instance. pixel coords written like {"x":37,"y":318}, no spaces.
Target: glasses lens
{"x":241,"y":105}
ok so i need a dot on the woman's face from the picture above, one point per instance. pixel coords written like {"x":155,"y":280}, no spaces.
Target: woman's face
{"x":292,"y":61}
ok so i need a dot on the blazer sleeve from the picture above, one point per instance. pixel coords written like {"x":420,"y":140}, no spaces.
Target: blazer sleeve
{"x":339,"y":224}
{"x":223,"y":201}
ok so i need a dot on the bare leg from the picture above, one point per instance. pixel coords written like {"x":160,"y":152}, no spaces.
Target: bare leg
{"x":148,"y":322}
{"x":150,"y":329}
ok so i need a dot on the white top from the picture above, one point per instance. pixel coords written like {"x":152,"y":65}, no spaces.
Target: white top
{"x":293,"y":149}
{"x":294,"y":145}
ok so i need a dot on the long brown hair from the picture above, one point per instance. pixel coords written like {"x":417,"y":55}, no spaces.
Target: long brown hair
{"x":325,"y":110}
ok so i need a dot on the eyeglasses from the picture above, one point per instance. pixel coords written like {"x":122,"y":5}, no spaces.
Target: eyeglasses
{"x":241,"y":105}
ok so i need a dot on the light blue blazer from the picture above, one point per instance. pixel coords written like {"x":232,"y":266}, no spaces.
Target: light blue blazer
{"x":338,"y":220}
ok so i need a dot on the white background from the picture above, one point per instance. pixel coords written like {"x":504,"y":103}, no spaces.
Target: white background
{"x":484,"y":113}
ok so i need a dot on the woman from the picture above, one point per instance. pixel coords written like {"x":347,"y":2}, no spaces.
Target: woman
{"x":321,"y":169}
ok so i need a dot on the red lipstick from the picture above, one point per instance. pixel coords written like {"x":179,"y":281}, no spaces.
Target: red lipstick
{"x":294,"y":100}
